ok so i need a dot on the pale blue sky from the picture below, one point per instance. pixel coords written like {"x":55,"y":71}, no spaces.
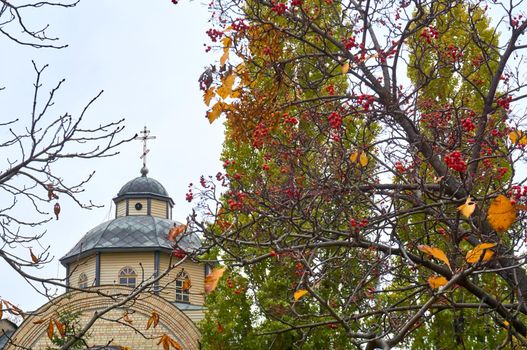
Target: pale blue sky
{"x":147,"y":57}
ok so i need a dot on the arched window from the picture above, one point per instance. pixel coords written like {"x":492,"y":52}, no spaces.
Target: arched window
{"x":183,"y":285}
{"x":127,"y":277}
{"x":83,"y":281}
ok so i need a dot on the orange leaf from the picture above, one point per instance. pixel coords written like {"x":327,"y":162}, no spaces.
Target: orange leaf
{"x":42,"y":320}
{"x":300,"y":293}
{"x":60,"y":328}
{"x":33,"y":256}
{"x":187,"y":283}
{"x":50,"y":329}
{"x":475,"y":255}
{"x":501,"y":214}
{"x":468,"y":208}
{"x":225,"y":90}
{"x":219,"y":328}
{"x":176,"y":231}
{"x":345,"y":68}
{"x":165,"y":341}
{"x":436,"y":253}
{"x":175,"y":344}
{"x":436,"y":282}
{"x":209,"y":94}
{"x":1,"y":310}
{"x":211,"y":281}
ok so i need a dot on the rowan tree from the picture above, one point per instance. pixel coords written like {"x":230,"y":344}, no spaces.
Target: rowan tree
{"x":371,"y":196}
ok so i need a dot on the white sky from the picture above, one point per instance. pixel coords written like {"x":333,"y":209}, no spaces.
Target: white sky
{"x":147,"y":57}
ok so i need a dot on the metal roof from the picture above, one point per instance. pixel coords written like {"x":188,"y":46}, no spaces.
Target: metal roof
{"x":130,"y":233}
{"x":143,"y":187}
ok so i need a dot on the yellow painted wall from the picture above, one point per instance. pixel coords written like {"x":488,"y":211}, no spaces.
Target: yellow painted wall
{"x":133,"y":211}
{"x":195,"y":272}
{"x":121,"y":208}
{"x":159,"y":208}
{"x":112,"y":263}
{"x":85,"y":265}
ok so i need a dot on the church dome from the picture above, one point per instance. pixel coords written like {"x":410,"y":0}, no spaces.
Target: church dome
{"x":130,"y":233}
{"x":143,"y":187}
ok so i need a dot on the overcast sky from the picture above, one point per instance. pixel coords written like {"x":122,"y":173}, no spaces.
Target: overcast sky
{"x":147,"y":57}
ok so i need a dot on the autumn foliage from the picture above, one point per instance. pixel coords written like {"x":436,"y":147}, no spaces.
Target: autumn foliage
{"x":372,"y":193}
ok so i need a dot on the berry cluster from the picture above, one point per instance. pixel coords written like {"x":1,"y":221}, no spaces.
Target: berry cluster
{"x":299,"y":268}
{"x":365,"y":101}
{"x":179,"y":253}
{"x":455,"y":162}
{"x":518,"y":191}
{"x":289,"y":120}
{"x":189,"y":196}
{"x":214,"y":34}
{"x":501,"y":172}
{"x":453,"y":53}
{"x":239,"y":25}
{"x":349,"y":43}
{"x":259,"y":135}
{"x":296,"y":2}
{"x":429,"y":34}
{"x":515,"y":21}
{"x":278,"y":7}
{"x":360,"y":224}
{"x":399,"y":167}
{"x":468,"y":125}
{"x":330,"y":89}
{"x":236,"y":199}
{"x":335,"y":120}
{"x":504,"y":102}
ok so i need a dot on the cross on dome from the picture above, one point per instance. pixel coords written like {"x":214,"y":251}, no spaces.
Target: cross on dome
{"x":144,"y":137}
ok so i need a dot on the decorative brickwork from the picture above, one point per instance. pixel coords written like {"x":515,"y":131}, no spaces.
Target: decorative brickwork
{"x":111,"y":329}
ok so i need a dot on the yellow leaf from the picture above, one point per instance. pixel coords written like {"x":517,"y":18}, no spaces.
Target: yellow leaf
{"x":518,"y":137}
{"x":475,"y":255}
{"x":50,"y":329}
{"x":437,"y":281}
{"x":300,"y":293}
{"x":209,"y":94}
{"x":211,"y":281}
{"x":501,"y":214}
{"x":226,"y":46}
{"x":468,"y":208}
{"x":435,"y":252}
{"x":225,"y":90}
{"x":215,"y":112}
{"x":345,"y":68}
{"x":360,"y":158}
{"x":506,"y":323}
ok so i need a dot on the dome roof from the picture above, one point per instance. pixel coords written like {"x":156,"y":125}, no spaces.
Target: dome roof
{"x":143,"y":187}
{"x":130,"y":233}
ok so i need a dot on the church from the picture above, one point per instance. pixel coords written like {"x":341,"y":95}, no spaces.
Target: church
{"x":126,"y":267}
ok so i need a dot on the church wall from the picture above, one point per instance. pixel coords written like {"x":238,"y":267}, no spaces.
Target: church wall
{"x":108,"y":332}
{"x":112,"y":263}
{"x":131,"y":207}
{"x":85,"y":265}
{"x":159,"y":208}
{"x":195,"y":272}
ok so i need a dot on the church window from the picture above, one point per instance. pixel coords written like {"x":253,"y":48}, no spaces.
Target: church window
{"x":127,"y":277}
{"x":183,"y":285}
{"x":83,"y":281}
